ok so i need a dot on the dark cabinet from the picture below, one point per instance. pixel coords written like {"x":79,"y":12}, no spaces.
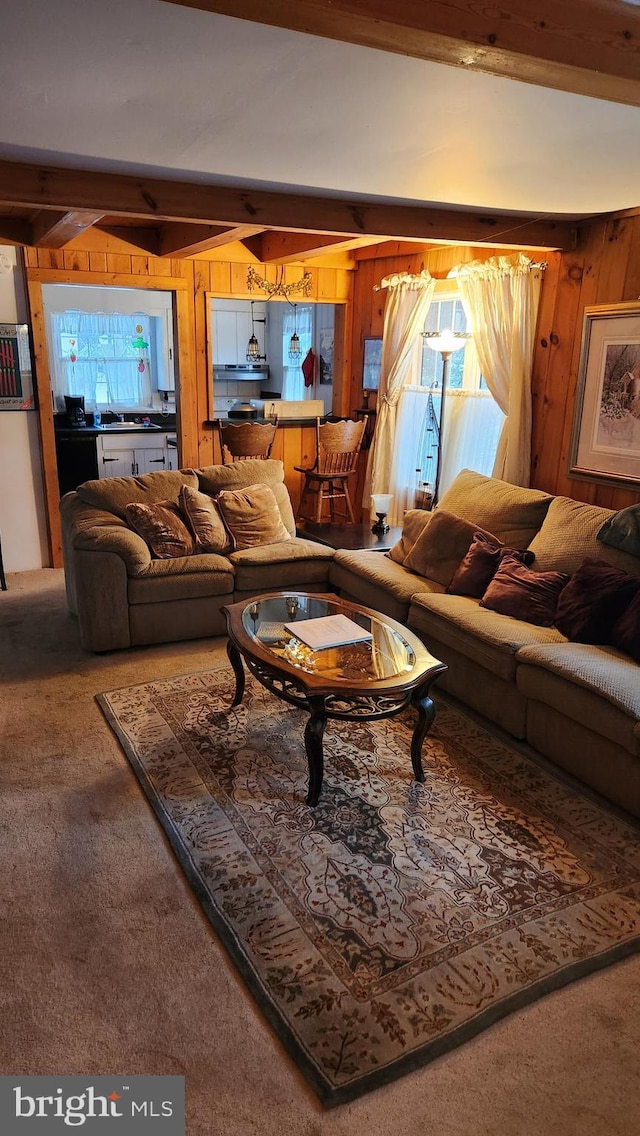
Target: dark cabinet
{"x":77,"y":460}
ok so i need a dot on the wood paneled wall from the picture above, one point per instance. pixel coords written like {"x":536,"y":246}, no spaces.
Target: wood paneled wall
{"x":604,"y":269}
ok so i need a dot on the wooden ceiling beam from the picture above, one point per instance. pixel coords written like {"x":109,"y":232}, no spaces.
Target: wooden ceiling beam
{"x":53,"y":229}
{"x":588,"y":47}
{"x":180,"y":239}
{"x":138,"y":236}
{"x":15,"y":231}
{"x":123,"y":195}
{"x":289,"y":248}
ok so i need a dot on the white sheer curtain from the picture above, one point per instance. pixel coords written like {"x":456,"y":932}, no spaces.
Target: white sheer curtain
{"x":473,"y":422}
{"x":501,"y":298}
{"x":408,"y":300}
{"x":94,"y":355}
{"x":293,"y":386}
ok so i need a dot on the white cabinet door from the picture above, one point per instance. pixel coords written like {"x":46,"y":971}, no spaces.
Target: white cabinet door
{"x":149,"y":459}
{"x":225,"y":341}
{"x":116,"y":463}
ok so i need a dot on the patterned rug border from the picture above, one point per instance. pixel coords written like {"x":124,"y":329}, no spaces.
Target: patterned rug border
{"x":327,"y":1094}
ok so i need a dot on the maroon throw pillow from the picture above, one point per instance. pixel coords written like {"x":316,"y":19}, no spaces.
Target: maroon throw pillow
{"x":625,"y":634}
{"x":593,"y":600}
{"x":517,"y":591}
{"x":476,"y":571}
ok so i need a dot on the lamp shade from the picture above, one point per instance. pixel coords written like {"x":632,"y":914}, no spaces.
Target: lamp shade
{"x":381,"y":502}
{"x":446,"y":341}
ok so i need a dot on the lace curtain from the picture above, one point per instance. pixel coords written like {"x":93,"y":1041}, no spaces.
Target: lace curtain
{"x":501,"y":298}
{"x":408,"y":300}
{"x":94,"y":356}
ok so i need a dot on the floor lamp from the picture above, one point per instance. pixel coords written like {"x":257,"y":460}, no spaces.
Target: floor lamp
{"x":446,"y":342}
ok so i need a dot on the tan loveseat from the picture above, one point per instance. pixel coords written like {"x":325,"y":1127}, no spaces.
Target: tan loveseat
{"x":574,"y":703}
{"x":125,"y":598}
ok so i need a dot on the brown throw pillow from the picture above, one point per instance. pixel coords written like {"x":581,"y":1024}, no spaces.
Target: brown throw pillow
{"x":626,"y":632}
{"x":204,"y":520}
{"x":413,"y":524}
{"x":252,"y":516}
{"x":593,"y":600}
{"x":517,"y":591}
{"x":479,"y":566}
{"x":162,"y":528}
{"x":441,"y":546}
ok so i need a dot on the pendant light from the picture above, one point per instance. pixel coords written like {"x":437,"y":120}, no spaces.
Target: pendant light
{"x":253,"y":347}
{"x":295,"y":351}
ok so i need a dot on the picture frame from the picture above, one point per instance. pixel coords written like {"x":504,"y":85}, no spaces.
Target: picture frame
{"x":372,"y":363}
{"x":605,"y":442}
{"x":16,"y":378}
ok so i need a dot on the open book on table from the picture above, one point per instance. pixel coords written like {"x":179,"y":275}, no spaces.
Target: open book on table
{"x":328,"y":631}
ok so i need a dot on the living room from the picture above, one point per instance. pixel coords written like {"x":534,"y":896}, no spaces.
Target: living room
{"x":119,"y":945}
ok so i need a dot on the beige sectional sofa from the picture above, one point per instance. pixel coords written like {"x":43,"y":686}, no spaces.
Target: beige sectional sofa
{"x":577,"y":704}
{"x":124,"y":598}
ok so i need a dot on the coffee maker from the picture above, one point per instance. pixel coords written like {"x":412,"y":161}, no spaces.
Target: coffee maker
{"x":75,"y":410}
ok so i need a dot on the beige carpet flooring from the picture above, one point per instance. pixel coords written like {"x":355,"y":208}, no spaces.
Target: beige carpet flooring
{"x":109,"y":966}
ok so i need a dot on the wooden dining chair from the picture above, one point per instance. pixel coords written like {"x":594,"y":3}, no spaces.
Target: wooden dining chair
{"x":337,"y":448}
{"x":246,"y":440}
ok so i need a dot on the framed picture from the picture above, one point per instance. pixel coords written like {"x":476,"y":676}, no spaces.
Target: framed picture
{"x":605,"y":444}
{"x":372,"y":364}
{"x":16,"y":379}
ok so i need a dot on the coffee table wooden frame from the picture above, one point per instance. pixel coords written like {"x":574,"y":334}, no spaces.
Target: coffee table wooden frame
{"x":324,"y":697}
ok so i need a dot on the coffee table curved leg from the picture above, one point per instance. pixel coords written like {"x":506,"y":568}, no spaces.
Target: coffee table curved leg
{"x":313,"y":735}
{"x":235,"y":658}
{"x":426,"y":714}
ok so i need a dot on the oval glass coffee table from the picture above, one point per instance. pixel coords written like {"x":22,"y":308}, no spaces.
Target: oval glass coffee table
{"x":376,"y":678}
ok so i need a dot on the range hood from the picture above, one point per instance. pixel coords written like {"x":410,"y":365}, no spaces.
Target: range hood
{"x":236,"y":372}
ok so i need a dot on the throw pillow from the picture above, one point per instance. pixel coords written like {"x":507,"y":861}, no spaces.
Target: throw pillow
{"x":626,"y":632}
{"x":517,"y":591}
{"x":622,"y":530}
{"x":413,"y":523}
{"x":441,"y":546}
{"x":480,"y":564}
{"x":162,"y":528}
{"x":252,"y":516}
{"x":593,"y":600}
{"x":204,"y":520}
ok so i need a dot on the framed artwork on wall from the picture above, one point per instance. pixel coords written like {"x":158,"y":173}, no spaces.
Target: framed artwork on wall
{"x":372,"y":364}
{"x":16,"y":379}
{"x":605,"y":443}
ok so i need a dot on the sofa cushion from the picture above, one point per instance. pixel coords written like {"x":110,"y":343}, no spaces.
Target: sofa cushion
{"x":479,"y":566}
{"x":569,"y":535}
{"x":212,"y":479}
{"x":593,"y":600}
{"x":115,"y":493}
{"x":625,"y":634}
{"x":378,"y":582}
{"x":622,"y":530}
{"x":517,"y":591}
{"x":183,"y":578}
{"x":512,"y":513}
{"x":252,"y":516}
{"x":270,"y":567}
{"x":204,"y":520}
{"x":484,"y":636}
{"x":413,"y":523}
{"x":441,"y":546}
{"x":162,"y":527}
{"x":595,"y":686}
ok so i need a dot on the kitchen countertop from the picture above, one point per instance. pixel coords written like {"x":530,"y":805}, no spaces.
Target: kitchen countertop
{"x":96,"y":431}
{"x":262,"y":421}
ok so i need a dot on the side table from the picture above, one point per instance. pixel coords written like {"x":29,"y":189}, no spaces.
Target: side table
{"x":350,"y":537}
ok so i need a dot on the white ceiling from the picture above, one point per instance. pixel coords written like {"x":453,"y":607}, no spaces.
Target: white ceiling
{"x":144,"y":85}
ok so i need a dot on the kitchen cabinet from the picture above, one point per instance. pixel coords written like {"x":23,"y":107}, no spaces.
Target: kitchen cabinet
{"x":231,"y":329}
{"x":122,"y":456}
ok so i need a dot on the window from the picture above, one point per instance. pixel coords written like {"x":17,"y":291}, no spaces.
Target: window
{"x":299,"y":319}
{"x":473,"y":420}
{"x":106,"y":358}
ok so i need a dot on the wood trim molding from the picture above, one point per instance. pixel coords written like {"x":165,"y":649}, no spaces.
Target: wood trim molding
{"x":112,"y":279}
{"x":42,"y":382}
{"x":588,"y":47}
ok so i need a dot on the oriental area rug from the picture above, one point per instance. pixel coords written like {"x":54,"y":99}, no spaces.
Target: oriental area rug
{"x":395,"y":920}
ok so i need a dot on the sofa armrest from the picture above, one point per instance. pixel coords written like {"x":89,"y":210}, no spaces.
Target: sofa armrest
{"x":116,"y":539}
{"x":101,"y":598}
